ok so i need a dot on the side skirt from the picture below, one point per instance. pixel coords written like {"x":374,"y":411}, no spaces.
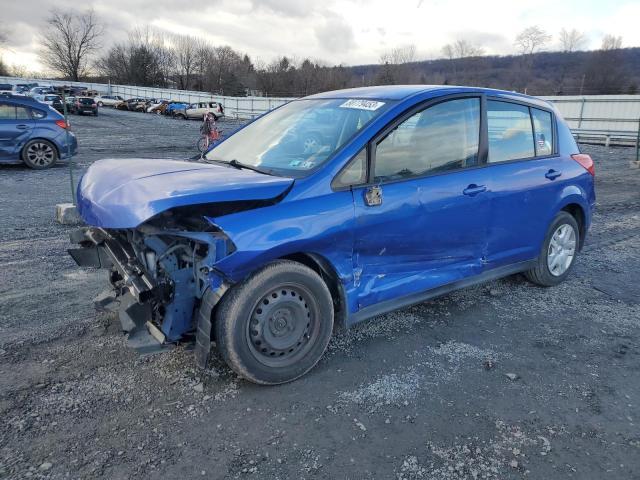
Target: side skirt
{"x":397,"y":303}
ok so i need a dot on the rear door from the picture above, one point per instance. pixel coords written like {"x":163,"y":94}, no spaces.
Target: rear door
{"x":525,"y":179}
{"x":16,"y":126}
{"x":422,"y":221}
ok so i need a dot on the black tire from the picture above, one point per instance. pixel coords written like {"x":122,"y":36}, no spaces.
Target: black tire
{"x":46,"y":159}
{"x":541,"y":274}
{"x":275,"y":326}
{"x":202,"y":145}
{"x":100,"y":104}
{"x":180,"y":116}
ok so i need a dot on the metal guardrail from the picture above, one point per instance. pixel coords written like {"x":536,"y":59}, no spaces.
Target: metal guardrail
{"x":606,"y":119}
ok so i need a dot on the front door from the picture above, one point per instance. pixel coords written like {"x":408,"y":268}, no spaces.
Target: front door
{"x":422,"y":221}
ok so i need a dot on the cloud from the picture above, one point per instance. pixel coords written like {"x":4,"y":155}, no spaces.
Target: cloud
{"x":335,"y":35}
{"x":340,"y":31}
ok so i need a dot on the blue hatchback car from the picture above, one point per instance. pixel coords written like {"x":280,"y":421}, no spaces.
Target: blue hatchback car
{"x":33,"y":133}
{"x":333,"y":209}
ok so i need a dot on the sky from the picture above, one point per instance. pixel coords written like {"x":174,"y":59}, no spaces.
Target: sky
{"x":349,"y":32}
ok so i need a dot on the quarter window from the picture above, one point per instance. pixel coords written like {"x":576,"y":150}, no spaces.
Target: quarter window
{"x":440,"y":138}
{"x":510,"y":131}
{"x":355,"y":173}
{"x":23,"y":113}
{"x":543,"y":129}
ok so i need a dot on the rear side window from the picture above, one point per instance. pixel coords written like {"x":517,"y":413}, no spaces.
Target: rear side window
{"x":543,"y":129}
{"x":510,"y":132}
{"x":442,"y":137}
{"x":38,"y":114}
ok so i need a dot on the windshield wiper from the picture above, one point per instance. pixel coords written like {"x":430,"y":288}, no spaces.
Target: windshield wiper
{"x":236,"y":164}
{"x":239,"y":165}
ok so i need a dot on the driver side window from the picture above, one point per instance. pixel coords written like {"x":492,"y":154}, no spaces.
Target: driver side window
{"x":442,"y":137}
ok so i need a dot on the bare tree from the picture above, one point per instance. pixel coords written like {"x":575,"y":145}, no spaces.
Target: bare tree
{"x":461,"y":49}
{"x":531,"y":40}
{"x":448,"y":51}
{"x":394,"y":68}
{"x":571,"y":40}
{"x":69,"y":41}
{"x":399,"y":55}
{"x":186,"y":52}
{"x":611,"y":42}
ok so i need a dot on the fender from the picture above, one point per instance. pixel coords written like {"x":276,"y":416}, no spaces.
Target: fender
{"x":320,"y":225}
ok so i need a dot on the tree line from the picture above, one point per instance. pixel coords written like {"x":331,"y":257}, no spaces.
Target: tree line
{"x":71,"y":47}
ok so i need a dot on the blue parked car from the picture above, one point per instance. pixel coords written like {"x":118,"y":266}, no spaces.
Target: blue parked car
{"x":32,"y":132}
{"x":406,"y":193}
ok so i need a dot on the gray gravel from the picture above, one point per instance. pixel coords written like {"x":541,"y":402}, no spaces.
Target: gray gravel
{"x":500,"y":381}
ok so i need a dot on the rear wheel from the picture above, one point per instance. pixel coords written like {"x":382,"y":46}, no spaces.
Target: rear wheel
{"x":100,"y":104}
{"x":558,"y":253}
{"x":274,"y":327}
{"x":39,"y":154}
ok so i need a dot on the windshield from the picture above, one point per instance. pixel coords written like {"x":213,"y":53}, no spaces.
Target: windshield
{"x":298,"y":137}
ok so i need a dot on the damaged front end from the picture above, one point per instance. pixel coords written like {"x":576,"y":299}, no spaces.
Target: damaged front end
{"x":163,"y":285}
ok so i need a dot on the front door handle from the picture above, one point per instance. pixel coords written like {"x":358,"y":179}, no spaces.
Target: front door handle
{"x":474,"y":189}
{"x":373,"y":196}
{"x":22,"y":127}
{"x":552,"y":174}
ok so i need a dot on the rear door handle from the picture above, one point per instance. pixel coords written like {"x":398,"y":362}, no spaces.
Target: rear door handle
{"x":23,"y":127}
{"x":552,"y":174}
{"x":474,"y":189}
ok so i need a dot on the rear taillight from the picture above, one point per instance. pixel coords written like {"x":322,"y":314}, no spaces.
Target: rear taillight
{"x":586,"y":161}
{"x":62,"y":124}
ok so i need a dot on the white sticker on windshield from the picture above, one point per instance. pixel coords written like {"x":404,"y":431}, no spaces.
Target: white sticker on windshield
{"x":362,"y":104}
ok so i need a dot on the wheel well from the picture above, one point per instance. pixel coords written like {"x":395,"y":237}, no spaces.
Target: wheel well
{"x":576,"y":212}
{"x":328,"y":274}
{"x":55,"y":147}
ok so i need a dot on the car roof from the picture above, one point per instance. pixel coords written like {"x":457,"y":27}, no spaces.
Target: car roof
{"x":404,"y":92}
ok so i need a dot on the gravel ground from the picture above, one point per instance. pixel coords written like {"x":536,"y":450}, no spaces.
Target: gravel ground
{"x":501,"y":381}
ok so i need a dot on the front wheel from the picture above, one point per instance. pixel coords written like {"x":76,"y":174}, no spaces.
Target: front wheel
{"x":203,"y":144}
{"x":558,"y":253}
{"x":275,"y":326}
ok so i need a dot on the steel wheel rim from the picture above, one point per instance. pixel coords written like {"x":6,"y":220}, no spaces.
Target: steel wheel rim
{"x":562,"y":249}
{"x":311,"y":145}
{"x":41,"y":154}
{"x":283,"y":326}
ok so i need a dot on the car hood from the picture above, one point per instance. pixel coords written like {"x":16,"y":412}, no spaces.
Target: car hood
{"x":123,"y":193}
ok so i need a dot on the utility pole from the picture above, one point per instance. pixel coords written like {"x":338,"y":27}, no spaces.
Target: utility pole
{"x":69,"y":157}
{"x":582,"y":84}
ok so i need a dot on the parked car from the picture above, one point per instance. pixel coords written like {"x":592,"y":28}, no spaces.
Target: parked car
{"x":40,"y":91}
{"x":198,"y":110}
{"x":175,"y":106}
{"x":82,"y":105}
{"x":21,"y":89}
{"x":157,"y":106}
{"x":52,"y":100}
{"x":32,"y":132}
{"x":266,"y":244}
{"x":6,"y":88}
{"x":108,"y":100}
